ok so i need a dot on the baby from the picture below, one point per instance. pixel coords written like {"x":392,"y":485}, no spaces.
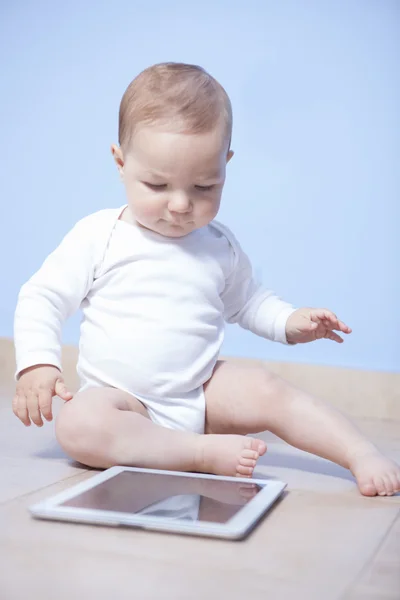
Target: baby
{"x":156,"y":279}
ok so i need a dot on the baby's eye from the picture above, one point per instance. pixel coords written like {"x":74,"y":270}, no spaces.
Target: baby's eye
{"x":154,"y":186}
{"x":204,"y":188}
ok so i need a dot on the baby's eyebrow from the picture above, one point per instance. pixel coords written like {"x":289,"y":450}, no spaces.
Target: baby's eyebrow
{"x":203,"y":177}
{"x":212,"y":175}
{"x":154,"y":173}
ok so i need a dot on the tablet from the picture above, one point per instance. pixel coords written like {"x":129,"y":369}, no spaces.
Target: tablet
{"x":171,"y":501}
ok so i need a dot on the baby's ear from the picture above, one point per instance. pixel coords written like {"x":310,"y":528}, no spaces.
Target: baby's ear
{"x":229,"y":156}
{"x":118,"y":156}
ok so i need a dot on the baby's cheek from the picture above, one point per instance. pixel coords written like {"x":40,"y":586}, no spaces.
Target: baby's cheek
{"x":208,"y":210}
{"x":149,"y":209}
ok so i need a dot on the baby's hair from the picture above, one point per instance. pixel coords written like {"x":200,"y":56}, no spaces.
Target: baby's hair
{"x":184,"y":98}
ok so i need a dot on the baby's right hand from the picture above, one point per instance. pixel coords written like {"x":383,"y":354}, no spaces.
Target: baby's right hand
{"x":36,"y":388}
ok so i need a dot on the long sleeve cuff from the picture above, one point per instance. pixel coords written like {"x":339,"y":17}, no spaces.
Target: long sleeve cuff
{"x":270,"y":319}
{"x":30,"y":359}
{"x":280,"y":324}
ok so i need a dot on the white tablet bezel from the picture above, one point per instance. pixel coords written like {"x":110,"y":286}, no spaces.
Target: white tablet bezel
{"x":235,"y":528}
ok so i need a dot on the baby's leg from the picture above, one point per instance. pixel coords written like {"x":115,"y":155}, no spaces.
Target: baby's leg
{"x":102,"y":427}
{"x":247,"y":398}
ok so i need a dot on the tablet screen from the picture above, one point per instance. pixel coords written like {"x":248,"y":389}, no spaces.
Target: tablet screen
{"x":183,"y":498}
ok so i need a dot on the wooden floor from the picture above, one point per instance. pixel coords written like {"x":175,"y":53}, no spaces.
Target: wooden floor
{"x":322,"y":541}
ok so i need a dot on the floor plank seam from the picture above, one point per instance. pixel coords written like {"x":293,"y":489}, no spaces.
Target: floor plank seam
{"x":37,"y":490}
{"x":369,"y":562}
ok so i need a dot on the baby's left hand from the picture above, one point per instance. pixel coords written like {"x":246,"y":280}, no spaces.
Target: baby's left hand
{"x":310,"y":324}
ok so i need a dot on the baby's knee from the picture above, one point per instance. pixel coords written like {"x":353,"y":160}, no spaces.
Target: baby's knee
{"x":81,"y":432}
{"x":270,"y":384}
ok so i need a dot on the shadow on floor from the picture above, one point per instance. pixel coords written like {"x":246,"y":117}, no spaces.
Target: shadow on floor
{"x":305,"y":463}
{"x":274,"y":459}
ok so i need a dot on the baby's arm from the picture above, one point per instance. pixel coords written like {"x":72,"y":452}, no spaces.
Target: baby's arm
{"x":250,"y":304}
{"x":54,"y":292}
{"x":261,"y":311}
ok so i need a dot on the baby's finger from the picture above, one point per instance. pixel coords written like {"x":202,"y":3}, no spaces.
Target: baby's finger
{"x":343,"y":327}
{"x":20,"y":410}
{"x":62,"y":391}
{"x":33,"y":409}
{"x":323,"y":314}
{"x":331,"y":320}
{"x":45,"y":402}
{"x":329,"y":316}
{"x":337,"y":325}
{"x":331,"y":335}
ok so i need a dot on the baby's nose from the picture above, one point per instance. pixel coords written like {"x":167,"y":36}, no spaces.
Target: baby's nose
{"x":179,"y":204}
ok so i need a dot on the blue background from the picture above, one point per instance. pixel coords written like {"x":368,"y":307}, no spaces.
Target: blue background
{"x":313,"y":190}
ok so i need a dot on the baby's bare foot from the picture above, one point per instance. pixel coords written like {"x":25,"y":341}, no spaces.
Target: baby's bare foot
{"x":233,"y":455}
{"x":375,"y":474}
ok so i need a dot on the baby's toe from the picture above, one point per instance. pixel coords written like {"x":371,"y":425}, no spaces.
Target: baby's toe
{"x":380,"y":486}
{"x":388,"y":485}
{"x":262,"y":447}
{"x":367,"y":488}
{"x":246,"y":466}
{"x":242,"y":471}
{"x":249,"y":454}
{"x":256,"y":445}
{"x":248,"y":462}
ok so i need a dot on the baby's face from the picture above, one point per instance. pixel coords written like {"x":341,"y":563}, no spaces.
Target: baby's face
{"x":173,"y":181}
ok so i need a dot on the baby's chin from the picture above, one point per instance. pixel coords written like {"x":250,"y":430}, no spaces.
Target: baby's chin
{"x":176,"y":231}
{"x":172,"y":230}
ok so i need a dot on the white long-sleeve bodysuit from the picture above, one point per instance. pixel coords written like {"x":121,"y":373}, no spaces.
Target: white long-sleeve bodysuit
{"x":153,"y":311}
